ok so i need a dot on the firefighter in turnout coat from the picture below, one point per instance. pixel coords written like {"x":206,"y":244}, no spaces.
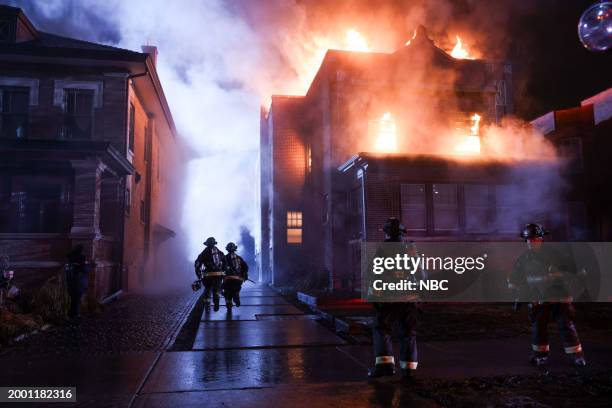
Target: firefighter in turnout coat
{"x":236,"y":272}
{"x":540,"y":275}
{"x":209,"y":268}
{"x":402,"y":314}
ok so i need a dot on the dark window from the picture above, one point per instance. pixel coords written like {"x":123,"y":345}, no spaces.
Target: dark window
{"x":445,"y":209}
{"x":6,"y":31}
{"x":143,"y":212}
{"x":33,"y":205}
{"x":15,"y":103}
{"x":78,"y":123}
{"x":147,"y":152}
{"x":132,"y":124}
{"x":128,"y":201}
{"x":476,"y":208}
{"x":414,"y":214}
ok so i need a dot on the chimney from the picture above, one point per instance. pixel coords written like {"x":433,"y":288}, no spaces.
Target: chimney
{"x":152,"y":51}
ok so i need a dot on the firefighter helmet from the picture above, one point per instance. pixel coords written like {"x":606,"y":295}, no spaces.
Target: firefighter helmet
{"x":393,"y":227}
{"x":210,"y":241}
{"x":532,"y":231}
{"x":231,"y":247}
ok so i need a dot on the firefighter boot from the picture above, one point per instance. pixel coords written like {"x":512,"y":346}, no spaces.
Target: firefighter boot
{"x":381,"y":370}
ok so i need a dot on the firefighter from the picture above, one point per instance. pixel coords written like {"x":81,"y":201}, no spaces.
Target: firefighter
{"x":209,"y":268}
{"x":540,"y":276}
{"x":403,"y":315}
{"x":236,"y":272}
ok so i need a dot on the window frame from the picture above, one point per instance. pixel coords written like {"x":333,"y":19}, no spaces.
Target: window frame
{"x":486,"y":207}
{"x":131,"y":127}
{"x":408,"y":206}
{"x":76,"y":92}
{"x":294,"y":227}
{"x":25,"y":114}
{"x":457,"y":226}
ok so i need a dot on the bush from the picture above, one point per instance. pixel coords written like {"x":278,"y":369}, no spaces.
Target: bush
{"x":52,"y":301}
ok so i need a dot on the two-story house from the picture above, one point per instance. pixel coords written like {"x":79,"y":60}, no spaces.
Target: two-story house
{"x":88,"y":155}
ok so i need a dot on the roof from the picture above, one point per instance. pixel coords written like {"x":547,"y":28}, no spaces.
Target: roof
{"x":41,"y":43}
{"x":602,"y":105}
{"x":420,"y":51}
{"x":591,"y":112}
{"x":51,"y":45}
{"x":362,"y":158}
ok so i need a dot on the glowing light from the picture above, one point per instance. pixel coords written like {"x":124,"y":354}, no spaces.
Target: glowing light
{"x":471,"y":143}
{"x":413,"y":37}
{"x":475,"y":127}
{"x":354,"y":41}
{"x":386,"y":134}
{"x":460,"y":50}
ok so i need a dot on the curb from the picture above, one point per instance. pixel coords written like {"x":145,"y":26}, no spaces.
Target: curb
{"x":176,"y":329}
{"x":341,"y":325}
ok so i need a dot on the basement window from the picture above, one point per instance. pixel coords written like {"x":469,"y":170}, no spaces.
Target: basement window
{"x":294,"y":227}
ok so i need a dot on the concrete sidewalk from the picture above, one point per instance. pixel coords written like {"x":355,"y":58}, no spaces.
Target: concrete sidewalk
{"x":269,"y":353}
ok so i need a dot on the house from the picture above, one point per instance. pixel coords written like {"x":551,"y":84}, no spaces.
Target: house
{"x":89,"y":154}
{"x":359,"y":102}
{"x":582,"y":136}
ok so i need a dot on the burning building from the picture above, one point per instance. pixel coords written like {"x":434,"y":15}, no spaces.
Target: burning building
{"x":416,"y":101}
{"x":87,"y":144}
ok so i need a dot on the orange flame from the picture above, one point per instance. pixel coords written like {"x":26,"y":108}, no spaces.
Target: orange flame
{"x":460,"y":50}
{"x":471,"y":144}
{"x":354,"y":41}
{"x":386,"y":134}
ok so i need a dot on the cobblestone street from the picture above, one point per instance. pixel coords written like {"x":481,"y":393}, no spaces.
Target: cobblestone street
{"x":105,"y":356}
{"x":138,"y":322}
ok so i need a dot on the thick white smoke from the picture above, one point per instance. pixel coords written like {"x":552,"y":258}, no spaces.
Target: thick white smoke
{"x":205,"y":55}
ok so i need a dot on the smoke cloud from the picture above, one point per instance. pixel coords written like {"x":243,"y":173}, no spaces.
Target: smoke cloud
{"x":219,"y":61}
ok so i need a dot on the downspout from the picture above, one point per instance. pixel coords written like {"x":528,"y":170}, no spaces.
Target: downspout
{"x":362,"y":175}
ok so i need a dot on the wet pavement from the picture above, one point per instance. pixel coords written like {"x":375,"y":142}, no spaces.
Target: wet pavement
{"x":268,"y":353}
